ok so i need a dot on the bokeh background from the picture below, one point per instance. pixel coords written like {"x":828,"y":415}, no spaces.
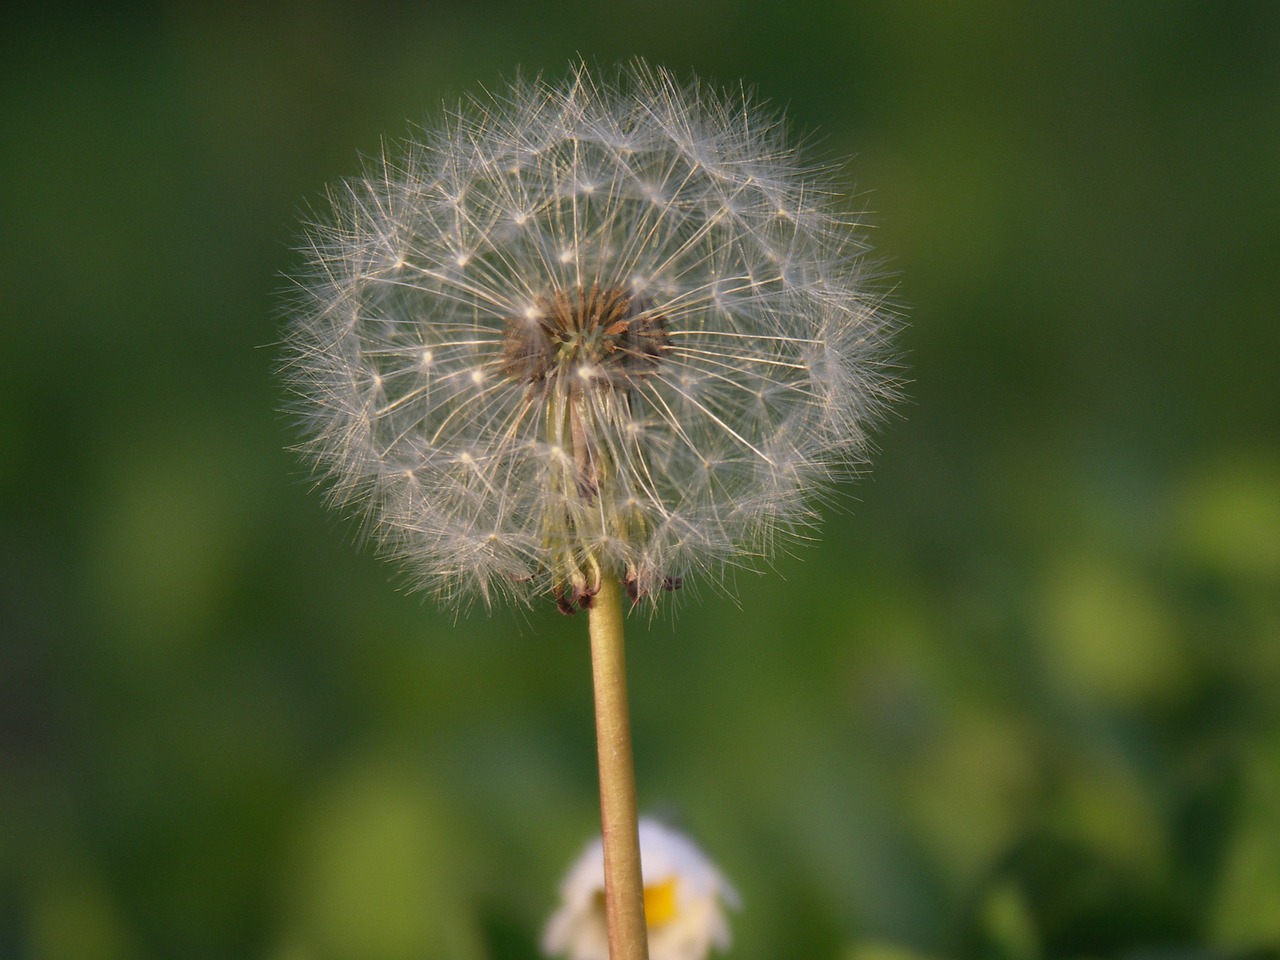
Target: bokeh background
{"x":1019,"y":701}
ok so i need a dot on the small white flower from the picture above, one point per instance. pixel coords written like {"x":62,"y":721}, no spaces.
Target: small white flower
{"x":587,"y":329}
{"x":684,"y":901}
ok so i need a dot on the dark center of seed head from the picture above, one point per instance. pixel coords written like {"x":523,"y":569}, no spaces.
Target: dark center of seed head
{"x":585,"y":332}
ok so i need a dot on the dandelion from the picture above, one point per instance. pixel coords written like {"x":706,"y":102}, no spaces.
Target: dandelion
{"x":582,"y":338}
{"x":684,"y":901}
{"x":586,"y":330}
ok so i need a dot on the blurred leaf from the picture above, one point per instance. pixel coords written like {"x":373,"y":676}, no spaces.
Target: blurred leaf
{"x":1062,"y":900}
{"x":73,"y":915}
{"x":1229,"y":517}
{"x":1246,"y":908}
{"x":1109,"y":636}
{"x":872,"y":950}
{"x":1008,"y":927}
{"x":379,"y":872}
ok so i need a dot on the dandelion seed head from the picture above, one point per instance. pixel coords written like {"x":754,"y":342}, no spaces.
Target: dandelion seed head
{"x":583,"y":329}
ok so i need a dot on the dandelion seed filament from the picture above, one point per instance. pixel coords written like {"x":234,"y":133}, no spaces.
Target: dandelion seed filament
{"x":640,"y":313}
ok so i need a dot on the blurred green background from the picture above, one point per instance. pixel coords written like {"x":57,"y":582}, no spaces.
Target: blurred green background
{"x":1020,"y":701}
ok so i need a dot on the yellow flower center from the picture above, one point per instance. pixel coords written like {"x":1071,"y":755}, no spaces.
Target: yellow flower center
{"x":660,"y":902}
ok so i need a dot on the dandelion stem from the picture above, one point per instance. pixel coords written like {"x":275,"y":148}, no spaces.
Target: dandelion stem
{"x":623,"y":884}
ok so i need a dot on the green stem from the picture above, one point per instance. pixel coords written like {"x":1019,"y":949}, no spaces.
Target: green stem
{"x":623,"y":884}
